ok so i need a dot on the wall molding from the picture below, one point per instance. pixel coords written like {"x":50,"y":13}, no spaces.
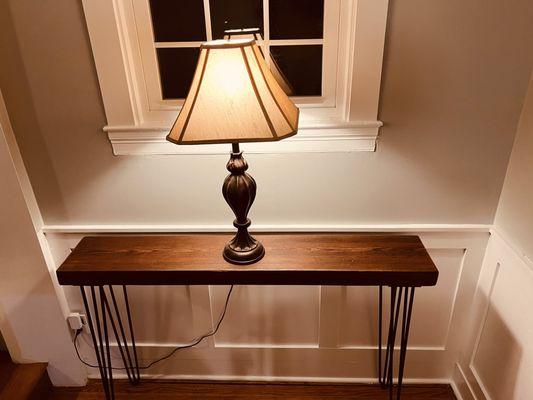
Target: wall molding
{"x":502,"y":254}
{"x":193,"y":228}
{"x":471,"y":366}
{"x":330,"y":358}
{"x":278,"y":379}
{"x":506,"y":239}
{"x":461,"y":386}
{"x":316,"y":138}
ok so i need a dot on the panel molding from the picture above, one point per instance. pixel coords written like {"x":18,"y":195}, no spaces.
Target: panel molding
{"x":197,"y":228}
{"x":346,"y":137}
{"x":327,"y":360}
{"x":501,"y":254}
{"x":340,"y":365}
{"x":431,"y":245}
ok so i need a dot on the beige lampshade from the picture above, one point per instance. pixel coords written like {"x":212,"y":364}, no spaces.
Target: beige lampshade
{"x":255,"y":33}
{"x":234,"y":98}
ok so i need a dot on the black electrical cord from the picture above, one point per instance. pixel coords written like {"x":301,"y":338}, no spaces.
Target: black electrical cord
{"x":187,"y":346}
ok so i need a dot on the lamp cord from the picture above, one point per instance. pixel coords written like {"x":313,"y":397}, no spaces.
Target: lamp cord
{"x":170,"y":354}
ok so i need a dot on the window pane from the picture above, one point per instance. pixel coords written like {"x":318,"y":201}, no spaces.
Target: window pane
{"x":176,"y":21}
{"x":235,"y":14}
{"x":296,"y":19}
{"x":301,"y":66}
{"x":176,"y":69}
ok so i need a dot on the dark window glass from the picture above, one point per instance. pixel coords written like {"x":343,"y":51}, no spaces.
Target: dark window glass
{"x":235,"y":14}
{"x":176,"y":69}
{"x":178,"y":20}
{"x":301,"y":66}
{"x":296,"y":19}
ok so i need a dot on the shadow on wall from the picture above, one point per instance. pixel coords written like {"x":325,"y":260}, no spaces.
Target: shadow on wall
{"x":17,"y":94}
{"x":445,"y":88}
{"x":497,"y":358}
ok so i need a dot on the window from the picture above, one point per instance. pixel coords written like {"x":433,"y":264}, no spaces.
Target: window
{"x":291,"y":34}
{"x":328,"y":52}
{"x":293,"y":39}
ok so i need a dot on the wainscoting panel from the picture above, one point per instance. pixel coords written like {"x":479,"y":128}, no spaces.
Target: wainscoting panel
{"x":268,"y":316}
{"x":296,"y":332}
{"x":433,"y":308}
{"x":498,"y":359}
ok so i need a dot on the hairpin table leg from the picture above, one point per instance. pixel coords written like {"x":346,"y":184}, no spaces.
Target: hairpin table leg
{"x":104,"y":313}
{"x":386,"y":369}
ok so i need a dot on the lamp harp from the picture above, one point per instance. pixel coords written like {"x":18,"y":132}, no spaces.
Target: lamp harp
{"x":239,"y":190}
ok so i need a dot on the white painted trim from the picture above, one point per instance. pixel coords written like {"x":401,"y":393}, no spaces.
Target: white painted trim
{"x":136,"y":127}
{"x":347,"y":137}
{"x":456,"y":391}
{"x":455,"y":386}
{"x":455,"y":294}
{"x":31,"y":201}
{"x":502,"y":253}
{"x":291,"y":346}
{"x":486,"y":310}
{"x":157,"y":228}
{"x":277,"y":379}
{"x":479,"y":381}
{"x":501,"y":235}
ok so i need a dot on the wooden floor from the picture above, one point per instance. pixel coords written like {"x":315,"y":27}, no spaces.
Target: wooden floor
{"x":249,"y":391}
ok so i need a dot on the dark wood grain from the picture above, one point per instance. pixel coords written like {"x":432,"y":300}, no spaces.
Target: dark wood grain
{"x":291,"y":259}
{"x":250,"y":391}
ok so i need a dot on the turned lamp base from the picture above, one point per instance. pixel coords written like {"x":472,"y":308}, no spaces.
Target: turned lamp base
{"x":239,"y":191}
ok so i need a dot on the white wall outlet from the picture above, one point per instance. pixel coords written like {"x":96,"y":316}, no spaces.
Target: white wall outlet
{"x":76,"y":321}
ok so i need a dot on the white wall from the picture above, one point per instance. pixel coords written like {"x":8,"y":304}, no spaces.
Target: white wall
{"x":455,"y":74}
{"x":514,"y":217}
{"x":31,"y":319}
{"x":497,"y":359}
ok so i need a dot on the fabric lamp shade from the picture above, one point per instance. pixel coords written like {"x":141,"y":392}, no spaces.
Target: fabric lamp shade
{"x":234,"y":98}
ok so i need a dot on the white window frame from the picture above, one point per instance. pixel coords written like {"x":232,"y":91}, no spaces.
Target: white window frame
{"x":148,"y":47}
{"x":138,"y":119}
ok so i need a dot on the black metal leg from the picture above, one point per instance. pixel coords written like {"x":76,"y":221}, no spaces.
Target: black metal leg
{"x":100,"y":348}
{"x":101,"y":306}
{"x":131,"y":364}
{"x":109,"y":366}
{"x":386,"y":370}
{"x":406,"y":322}
{"x":93,"y":335}
{"x":380,"y":333}
{"x":124,"y":290}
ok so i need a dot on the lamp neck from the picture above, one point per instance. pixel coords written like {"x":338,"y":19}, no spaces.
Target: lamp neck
{"x":235,"y":148}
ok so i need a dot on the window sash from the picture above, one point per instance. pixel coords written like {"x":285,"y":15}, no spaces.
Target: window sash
{"x":350,"y":124}
{"x":150,"y":71}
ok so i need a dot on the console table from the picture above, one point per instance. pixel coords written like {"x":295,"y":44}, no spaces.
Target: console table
{"x":399,"y":262}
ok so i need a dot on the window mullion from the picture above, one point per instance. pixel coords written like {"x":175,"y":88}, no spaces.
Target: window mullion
{"x":266,"y":31}
{"x":207,"y":15}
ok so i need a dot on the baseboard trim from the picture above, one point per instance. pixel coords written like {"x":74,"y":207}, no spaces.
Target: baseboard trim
{"x":456,"y":391}
{"x":276,"y":379}
{"x":459,"y":373}
{"x":191,"y":228}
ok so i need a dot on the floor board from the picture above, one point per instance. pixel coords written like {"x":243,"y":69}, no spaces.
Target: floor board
{"x":167,"y":390}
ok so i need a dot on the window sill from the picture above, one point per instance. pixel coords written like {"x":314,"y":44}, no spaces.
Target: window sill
{"x":317,"y":138}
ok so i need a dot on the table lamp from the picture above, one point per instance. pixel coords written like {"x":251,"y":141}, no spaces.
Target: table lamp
{"x":234,"y":98}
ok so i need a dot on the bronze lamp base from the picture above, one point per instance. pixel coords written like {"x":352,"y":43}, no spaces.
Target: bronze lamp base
{"x":239,"y":191}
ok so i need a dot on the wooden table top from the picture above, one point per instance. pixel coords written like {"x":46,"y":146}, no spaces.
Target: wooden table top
{"x":290,"y":259}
